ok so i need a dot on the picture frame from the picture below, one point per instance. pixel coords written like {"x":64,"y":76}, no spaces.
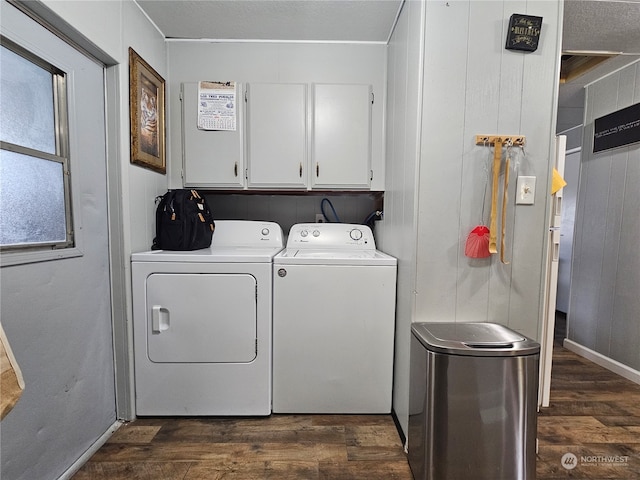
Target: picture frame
{"x":147,"y":114}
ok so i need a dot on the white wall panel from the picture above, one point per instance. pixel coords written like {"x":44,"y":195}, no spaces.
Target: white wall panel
{"x":537,"y":117}
{"x":474,"y":86}
{"x":471,"y":85}
{"x":397,"y":232}
{"x":445,"y":92}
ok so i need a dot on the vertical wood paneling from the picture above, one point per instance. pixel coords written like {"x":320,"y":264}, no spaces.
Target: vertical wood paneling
{"x":538,"y":99}
{"x":481,"y":112}
{"x":440,"y":163}
{"x":398,"y":230}
{"x":625,"y":324}
{"x":625,"y":332}
{"x":604,"y":311}
{"x":591,"y":225}
{"x":611,"y":242}
{"x":472,"y":86}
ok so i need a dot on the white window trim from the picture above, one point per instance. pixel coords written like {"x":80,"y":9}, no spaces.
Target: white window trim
{"x":11,"y":257}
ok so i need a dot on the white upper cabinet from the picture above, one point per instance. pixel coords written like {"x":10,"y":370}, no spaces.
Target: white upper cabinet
{"x":211,"y":158}
{"x":276,"y":143}
{"x":293,"y":136}
{"x":341,"y":145}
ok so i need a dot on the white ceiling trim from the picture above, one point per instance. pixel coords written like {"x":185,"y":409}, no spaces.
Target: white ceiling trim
{"x":258,"y":40}
{"x":395,"y":21}
{"x":149,"y":18}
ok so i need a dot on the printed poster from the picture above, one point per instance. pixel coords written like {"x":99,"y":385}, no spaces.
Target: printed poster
{"x":217,"y":105}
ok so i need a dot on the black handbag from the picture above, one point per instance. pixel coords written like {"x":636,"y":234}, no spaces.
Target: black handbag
{"x":183,"y":221}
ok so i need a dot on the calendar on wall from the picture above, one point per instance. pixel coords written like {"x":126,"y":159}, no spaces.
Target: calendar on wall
{"x":217,"y":105}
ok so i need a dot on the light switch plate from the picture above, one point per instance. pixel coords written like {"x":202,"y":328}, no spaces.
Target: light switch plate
{"x":525,"y":190}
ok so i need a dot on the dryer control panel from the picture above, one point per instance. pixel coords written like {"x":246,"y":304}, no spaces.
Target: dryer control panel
{"x":331,"y":235}
{"x":247,"y":233}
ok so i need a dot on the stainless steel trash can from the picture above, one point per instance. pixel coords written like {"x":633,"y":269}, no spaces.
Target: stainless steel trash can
{"x":473,"y":402}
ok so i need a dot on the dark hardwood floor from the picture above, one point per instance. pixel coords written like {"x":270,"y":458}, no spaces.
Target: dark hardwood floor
{"x":594,"y":415}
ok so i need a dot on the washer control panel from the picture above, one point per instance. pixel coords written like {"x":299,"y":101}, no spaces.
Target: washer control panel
{"x":331,"y":235}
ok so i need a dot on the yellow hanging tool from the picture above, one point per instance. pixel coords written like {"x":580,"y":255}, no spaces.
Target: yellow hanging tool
{"x":493,"y":226}
{"x":505,"y":187}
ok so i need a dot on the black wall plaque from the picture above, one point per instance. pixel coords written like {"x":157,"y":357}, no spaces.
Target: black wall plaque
{"x":617,"y":129}
{"x":524,"y":32}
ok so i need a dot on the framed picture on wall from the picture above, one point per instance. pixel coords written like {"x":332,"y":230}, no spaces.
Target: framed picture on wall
{"x":147,"y":111}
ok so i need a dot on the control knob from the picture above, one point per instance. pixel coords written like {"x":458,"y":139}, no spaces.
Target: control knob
{"x":355,"y":234}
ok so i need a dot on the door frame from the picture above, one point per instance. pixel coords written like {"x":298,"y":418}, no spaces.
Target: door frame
{"x":551,"y":280}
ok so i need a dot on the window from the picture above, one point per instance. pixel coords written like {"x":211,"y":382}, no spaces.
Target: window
{"x":35,"y":208}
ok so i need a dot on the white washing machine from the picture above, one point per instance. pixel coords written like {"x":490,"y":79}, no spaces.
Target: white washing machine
{"x":333,"y":321}
{"x":202,"y":324}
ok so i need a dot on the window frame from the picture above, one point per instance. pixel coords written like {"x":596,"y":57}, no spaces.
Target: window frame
{"x":61,"y":156}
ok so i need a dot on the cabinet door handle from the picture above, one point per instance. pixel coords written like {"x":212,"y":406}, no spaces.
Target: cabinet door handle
{"x":317,"y":169}
{"x":235,"y":169}
{"x":300,"y":169}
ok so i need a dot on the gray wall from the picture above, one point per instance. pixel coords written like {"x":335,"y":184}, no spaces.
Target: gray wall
{"x":604,"y":309}
{"x":287,"y":210}
{"x":57,"y":313}
{"x":65,"y":335}
{"x":470,"y":85}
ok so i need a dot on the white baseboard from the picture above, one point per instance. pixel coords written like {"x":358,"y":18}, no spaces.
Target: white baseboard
{"x":77,"y":465}
{"x":602,"y":360}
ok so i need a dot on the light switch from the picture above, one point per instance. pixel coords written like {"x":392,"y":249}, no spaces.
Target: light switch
{"x":525,"y":190}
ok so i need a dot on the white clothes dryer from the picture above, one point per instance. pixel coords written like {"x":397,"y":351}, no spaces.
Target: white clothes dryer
{"x":202,"y":324}
{"x":333,"y":321}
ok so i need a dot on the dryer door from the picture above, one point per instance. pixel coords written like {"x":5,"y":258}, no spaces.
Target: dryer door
{"x":201,"y":318}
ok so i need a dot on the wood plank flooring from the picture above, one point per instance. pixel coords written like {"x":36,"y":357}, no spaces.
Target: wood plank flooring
{"x":278,"y":447}
{"x":594,"y":415}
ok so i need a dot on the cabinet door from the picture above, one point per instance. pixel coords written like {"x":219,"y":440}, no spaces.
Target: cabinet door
{"x":341,"y":136}
{"x":211,"y":158}
{"x":276,"y":135}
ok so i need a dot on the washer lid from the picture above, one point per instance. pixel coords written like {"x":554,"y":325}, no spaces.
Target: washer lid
{"x":226,"y":254}
{"x":473,"y":339}
{"x":308,"y":256}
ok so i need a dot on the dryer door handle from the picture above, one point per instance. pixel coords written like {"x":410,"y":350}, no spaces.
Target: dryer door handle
{"x":159,"y":319}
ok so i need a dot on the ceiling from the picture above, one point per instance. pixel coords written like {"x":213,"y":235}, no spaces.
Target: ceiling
{"x":284,"y":20}
{"x":590,"y":26}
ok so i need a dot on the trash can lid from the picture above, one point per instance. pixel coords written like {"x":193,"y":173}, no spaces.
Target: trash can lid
{"x":474,"y":339}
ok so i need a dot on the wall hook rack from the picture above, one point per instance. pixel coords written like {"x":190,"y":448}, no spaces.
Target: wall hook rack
{"x":498,"y":141}
{"x":513,"y":140}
